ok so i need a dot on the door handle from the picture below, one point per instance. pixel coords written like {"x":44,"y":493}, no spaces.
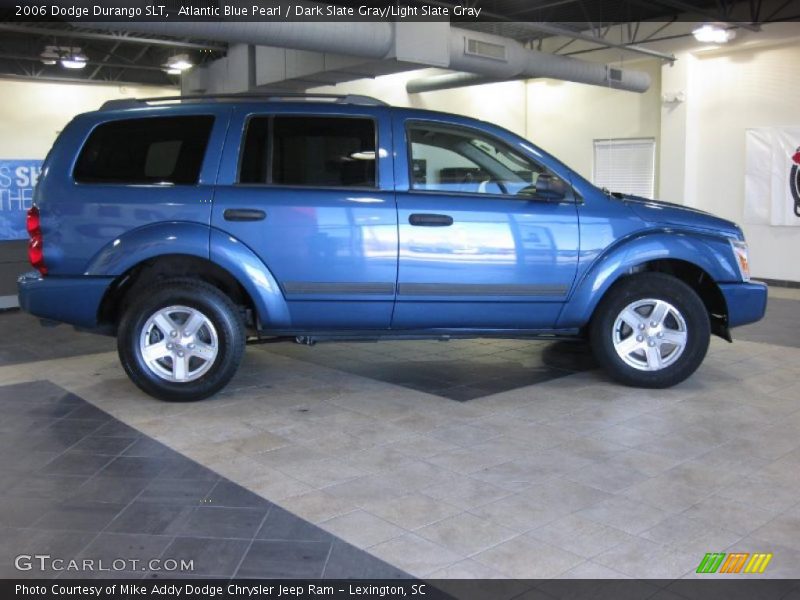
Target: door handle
{"x":430,"y":220}
{"x":244,"y":214}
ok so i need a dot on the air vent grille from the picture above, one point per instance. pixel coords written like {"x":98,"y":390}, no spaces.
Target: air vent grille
{"x":485,"y":49}
{"x":615,"y":74}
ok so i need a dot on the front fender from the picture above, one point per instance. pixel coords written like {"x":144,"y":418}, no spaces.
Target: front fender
{"x":711,"y":253}
{"x":146,"y":242}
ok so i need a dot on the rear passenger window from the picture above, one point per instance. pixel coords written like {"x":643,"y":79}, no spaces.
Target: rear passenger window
{"x":167,"y":150}
{"x":309,"y":151}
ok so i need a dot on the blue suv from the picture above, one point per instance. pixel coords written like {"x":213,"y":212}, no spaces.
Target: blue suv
{"x":190,"y":226}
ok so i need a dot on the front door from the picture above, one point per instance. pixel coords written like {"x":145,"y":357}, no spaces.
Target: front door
{"x":480,"y":247}
{"x":312,"y":195}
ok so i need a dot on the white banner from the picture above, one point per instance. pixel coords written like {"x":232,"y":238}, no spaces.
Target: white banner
{"x":772,"y":176}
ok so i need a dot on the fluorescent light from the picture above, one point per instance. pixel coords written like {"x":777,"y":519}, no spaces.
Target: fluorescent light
{"x":711,"y":33}
{"x":173,"y":71}
{"x":73,"y":62}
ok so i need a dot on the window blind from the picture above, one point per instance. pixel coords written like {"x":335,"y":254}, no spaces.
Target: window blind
{"x":626,"y":165}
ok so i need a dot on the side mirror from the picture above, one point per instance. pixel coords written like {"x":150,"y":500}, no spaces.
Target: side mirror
{"x":551,"y":188}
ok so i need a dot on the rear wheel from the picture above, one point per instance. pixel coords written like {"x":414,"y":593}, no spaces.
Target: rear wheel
{"x":650,"y":330}
{"x":182,"y":342}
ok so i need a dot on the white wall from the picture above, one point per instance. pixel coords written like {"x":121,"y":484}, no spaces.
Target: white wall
{"x":701,"y":142}
{"x":500,"y":103}
{"x":728,"y":94}
{"x":32,"y":113}
{"x":565,"y":118}
{"x":562,"y":117}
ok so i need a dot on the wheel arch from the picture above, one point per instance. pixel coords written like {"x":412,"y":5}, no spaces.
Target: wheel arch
{"x":151,"y":270}
{"x":696,"y":278}
{"x":698,"y":261}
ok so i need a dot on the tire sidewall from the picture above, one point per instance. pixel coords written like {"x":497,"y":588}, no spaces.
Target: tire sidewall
{"x":661,"y":287}
{"x":211,"y":303}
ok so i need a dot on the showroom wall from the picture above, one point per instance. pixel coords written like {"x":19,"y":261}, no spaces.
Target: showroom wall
{"x":699,"y":138}
{"x":562,"y":117}
{"x":31,"y":115}
{"x":501,"y":103}
{"x":726,"y":94}
{"x":565,"y":118}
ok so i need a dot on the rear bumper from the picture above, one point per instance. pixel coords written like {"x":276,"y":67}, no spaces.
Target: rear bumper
{"x":747,"y":302}
{"x":73,"y":300}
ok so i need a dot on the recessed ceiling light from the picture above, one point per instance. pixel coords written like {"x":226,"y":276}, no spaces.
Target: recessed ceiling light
{"x":712,"y":33}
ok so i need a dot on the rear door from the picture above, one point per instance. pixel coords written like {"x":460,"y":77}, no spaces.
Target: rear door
{"x":309,"y":190}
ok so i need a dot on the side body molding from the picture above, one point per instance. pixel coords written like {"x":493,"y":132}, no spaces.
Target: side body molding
{"x":708,"y":252}
{"x":195,"y":239}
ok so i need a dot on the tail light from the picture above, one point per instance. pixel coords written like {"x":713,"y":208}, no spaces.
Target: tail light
{"x":35,"y":241}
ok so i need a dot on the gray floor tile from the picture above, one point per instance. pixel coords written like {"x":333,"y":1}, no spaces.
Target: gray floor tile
{"x":526,"y":558}
{"x":183,"y":492}
{"x":348,"y":562}
{"x":218,"y":558}
{"x":466,"y":534}
{"x":76,"y":463}
{"x":626,"y":515}
{"x":110,"y":446}
{"x":149,"y":518}
{"x":580,"y":535}
{"x":138,"y":547}
{"x":101,"y":488}
{"x":730,"y":514}
{"x":281,"y":525}
{"x":226,"y":493}
{"x":79,"y":516}
{"x":47,"y":487}
{"x":23,"y":513}
{"x":222,"y":522}
{"x":135,"y":467}
{"x":285,"y":560}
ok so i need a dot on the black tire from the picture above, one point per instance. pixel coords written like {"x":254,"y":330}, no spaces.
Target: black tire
{"x":200,"y":296}
{"x":656,"y":286}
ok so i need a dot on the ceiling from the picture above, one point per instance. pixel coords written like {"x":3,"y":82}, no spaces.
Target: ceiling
{"x":118,"y":57}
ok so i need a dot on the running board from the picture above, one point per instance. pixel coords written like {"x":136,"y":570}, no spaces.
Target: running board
{"x":311,"y":338}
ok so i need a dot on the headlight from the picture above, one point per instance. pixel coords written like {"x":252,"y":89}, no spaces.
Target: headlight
{"x":740,"y":251}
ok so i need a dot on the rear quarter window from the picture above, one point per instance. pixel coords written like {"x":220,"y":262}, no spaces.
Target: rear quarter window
{"x":154,"y":150}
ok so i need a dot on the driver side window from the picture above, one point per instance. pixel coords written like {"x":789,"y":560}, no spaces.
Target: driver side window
{"x":455,"y":160}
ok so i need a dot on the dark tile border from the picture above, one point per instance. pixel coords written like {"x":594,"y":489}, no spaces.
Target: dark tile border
{"x":102,"y":490}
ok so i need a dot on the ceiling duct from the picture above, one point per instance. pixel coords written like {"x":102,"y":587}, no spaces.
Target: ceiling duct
{"x":487,"y":57}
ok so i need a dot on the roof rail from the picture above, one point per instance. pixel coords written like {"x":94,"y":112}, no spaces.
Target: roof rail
{"x":264,"y":96}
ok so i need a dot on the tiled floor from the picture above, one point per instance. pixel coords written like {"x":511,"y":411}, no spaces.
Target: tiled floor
{"x":79,"y":484}
{"x":572,"y":476}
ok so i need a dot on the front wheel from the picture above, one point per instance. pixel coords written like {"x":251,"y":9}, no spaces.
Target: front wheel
{"x":183,"y":342}
{"x":650,"y":330}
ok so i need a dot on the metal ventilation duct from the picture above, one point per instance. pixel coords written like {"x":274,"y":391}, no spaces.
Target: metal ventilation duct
{"x":520,"y":63}
{"x":487,"y":57}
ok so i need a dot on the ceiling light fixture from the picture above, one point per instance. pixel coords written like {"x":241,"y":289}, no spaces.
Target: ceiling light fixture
{"x":71,"y":57}
{"x":713,"y":33}
{"x":75,"y":61}
{"x":179,"y":62}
